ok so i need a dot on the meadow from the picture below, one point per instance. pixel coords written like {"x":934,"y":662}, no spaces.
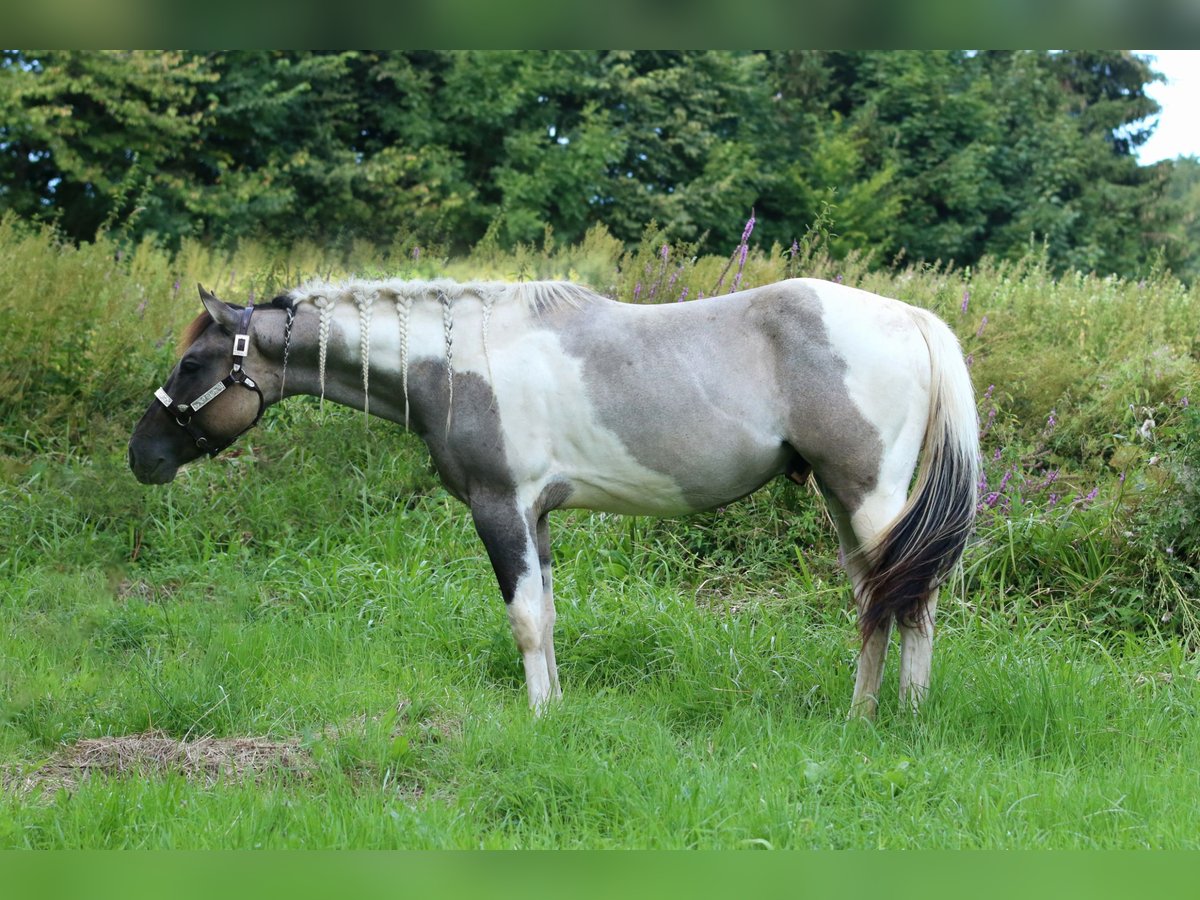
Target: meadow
{"x":300,"y":643}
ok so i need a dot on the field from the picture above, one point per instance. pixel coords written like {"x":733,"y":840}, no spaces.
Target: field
{"x":300,"y":643}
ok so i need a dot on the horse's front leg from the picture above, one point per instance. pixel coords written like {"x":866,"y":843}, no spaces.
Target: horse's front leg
{"x":507,"y":532}
{"x":548,"y":614}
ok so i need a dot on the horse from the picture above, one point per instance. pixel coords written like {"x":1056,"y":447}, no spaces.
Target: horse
{"x":537,"y":396}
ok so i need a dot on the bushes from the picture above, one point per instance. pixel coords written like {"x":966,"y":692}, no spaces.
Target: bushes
{"x":1091,"y":496}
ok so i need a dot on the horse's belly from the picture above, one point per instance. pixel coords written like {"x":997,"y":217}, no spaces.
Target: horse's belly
{"x":636,"y":446}
{"x":710,"y":480}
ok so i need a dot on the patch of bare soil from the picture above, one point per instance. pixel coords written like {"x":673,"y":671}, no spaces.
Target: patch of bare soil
{"x":204,"y":759}
{"x":155,"y":753}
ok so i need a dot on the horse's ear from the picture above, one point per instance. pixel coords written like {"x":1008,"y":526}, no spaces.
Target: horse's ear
{"x":222,"y":313}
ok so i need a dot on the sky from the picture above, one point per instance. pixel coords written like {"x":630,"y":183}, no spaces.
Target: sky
{"x":1178,"y":131}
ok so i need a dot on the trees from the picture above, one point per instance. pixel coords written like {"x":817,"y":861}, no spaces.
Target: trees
{"x":84,"y":135}
{"x":929,"y":155}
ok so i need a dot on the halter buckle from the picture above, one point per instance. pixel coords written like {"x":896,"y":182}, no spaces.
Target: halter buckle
{"x":241,"y":344}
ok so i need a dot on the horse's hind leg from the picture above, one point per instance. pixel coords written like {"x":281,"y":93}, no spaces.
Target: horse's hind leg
{"x":875,"y":514}
{"x":873,"y":653}
{"x":916,"y":654}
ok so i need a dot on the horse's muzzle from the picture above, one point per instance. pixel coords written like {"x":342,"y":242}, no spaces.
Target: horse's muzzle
{"x":150,"y":468}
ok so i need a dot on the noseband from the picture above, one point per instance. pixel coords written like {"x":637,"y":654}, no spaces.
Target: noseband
{"x":182,"y":412}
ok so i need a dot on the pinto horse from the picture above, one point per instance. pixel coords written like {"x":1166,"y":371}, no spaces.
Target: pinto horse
{"x":537,"y":396}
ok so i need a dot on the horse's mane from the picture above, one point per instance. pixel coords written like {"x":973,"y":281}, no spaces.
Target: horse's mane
{"x":193,"y":332}
{"x":538,"y":296}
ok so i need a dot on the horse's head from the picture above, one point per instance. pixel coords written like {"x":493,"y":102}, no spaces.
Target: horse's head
{"x":211,"y":398}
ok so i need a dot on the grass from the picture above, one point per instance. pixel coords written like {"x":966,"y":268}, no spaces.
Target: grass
{"x":361,"y":628}
{"x":314,"y":598}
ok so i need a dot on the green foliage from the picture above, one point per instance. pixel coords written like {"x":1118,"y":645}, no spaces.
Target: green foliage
{"x":315,"y":587}
{"x":926,"y":156}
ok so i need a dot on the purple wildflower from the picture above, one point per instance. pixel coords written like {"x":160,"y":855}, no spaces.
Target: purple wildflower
{"x":1183,"y":401}
{"x":665,"y":252}
{"x":637,"y":291}
{"x":987,"y":395}
{"x":795,"y":248}
{"x":993,"y":498}
{"x":966,"y":299}
{"x":987,"y":426}
{"x":1051,"y":421}
{"x":1008,"y":474}
{"x":838,"y":279}
{"x":996,"y":455}
{"x":749,"y":227}
{"x":970,"y":360}
{"x":416,"y":254}
{"x":683,"y":296}
{"x":1052,"y":501}
{"x":982,"y":325}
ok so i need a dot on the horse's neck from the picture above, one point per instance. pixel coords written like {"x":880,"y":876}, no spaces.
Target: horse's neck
{"x":379,"y":354}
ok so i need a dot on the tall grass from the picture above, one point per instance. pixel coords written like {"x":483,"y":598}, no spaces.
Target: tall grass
{"x":316,"y":585}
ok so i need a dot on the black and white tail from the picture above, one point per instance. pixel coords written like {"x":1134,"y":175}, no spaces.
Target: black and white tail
{"x":925,"y":541}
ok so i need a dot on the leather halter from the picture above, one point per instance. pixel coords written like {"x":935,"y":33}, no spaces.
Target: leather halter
{"x":182,"y":412}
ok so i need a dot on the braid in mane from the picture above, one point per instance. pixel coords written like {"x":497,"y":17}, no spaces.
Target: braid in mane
{"x":325,"y":307}
{"x":287,"y":343}
{"x":364,"y":301}
{"x":448,"y":328}
{"x":403,"y":309}
{"x":488,"y":301}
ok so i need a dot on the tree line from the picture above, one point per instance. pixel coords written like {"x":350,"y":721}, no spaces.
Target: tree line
{"x":907,"y":154}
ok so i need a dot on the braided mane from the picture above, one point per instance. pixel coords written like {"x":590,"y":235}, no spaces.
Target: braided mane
{"x":537,"y":296}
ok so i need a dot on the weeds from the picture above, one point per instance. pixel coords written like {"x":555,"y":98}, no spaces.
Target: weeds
{"x":318,"y":571}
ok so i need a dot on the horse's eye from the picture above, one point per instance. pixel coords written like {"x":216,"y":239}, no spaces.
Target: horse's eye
{"x":189,"y":365}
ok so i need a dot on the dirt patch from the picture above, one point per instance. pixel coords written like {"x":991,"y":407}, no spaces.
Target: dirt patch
{"x":156,"y":753}
{"x":204,"y":759}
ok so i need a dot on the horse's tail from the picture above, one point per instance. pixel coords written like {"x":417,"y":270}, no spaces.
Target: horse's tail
{"x":919,"y":548}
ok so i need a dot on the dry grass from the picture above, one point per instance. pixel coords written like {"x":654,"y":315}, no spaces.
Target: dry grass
{"x":154,"y":753}
{"x":206,"y":760}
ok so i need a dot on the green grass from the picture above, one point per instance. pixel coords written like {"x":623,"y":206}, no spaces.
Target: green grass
{"x":706,"y":675}
{"x":315,"y":587}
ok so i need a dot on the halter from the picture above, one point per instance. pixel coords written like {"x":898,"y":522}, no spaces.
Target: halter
{"x":182,"y":412}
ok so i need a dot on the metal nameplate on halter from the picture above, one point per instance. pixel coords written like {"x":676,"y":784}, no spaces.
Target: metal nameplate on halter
{"x":241,"y":344}
{"x":163,"y":397}
{"x":207,"y":395}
